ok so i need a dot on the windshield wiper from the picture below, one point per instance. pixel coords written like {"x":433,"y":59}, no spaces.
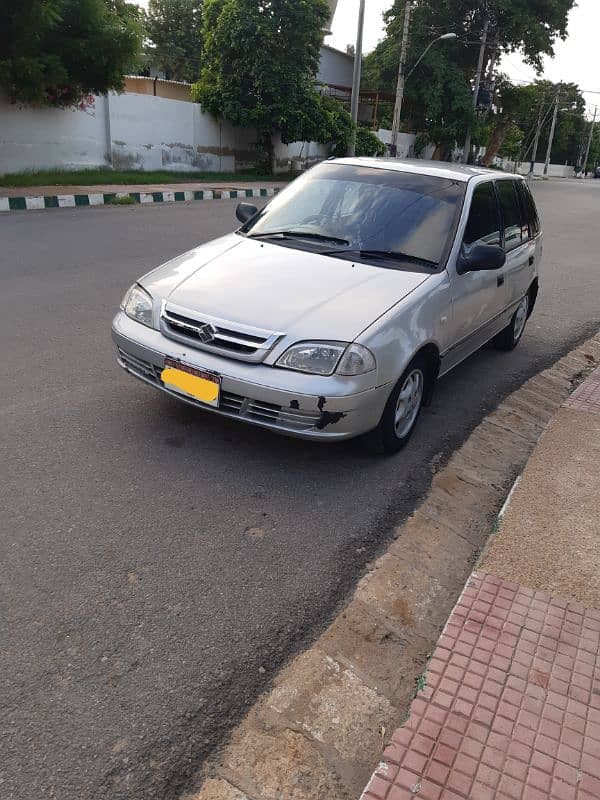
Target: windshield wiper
{"x":319,"y":237}
{"x":389,"y":255}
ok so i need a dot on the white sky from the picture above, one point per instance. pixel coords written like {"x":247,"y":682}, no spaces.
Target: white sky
{"x":576,"y":60}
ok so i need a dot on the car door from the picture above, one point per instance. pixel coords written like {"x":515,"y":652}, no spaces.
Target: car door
{"x":518,"y":244}
{"x":477,"y":297}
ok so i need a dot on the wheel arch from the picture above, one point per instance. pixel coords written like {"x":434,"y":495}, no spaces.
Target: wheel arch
{"x":431,"y":353}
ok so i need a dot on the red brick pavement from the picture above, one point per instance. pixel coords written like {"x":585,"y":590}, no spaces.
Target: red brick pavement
{"x":511,"y":707}
{"x":587,"y":396}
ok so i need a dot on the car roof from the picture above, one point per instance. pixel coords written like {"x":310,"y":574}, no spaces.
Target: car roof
{"x":439,"y":169}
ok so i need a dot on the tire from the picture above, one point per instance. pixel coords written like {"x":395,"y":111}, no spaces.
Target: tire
{"x":397,"y":424}
{"x":510,"y":337}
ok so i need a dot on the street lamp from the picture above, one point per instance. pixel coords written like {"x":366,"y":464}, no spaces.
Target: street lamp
{"x":402,"y":78}
{"x":443,"y":38}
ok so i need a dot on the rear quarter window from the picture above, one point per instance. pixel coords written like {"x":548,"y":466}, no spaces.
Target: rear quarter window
{"x":511,"y":214}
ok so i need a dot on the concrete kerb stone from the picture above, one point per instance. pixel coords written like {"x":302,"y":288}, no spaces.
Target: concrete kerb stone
{"x":27,"y":203}
{"x":323,"y":726}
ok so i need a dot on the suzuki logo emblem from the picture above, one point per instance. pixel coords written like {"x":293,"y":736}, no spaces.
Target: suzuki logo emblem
{"x":206,"y":333}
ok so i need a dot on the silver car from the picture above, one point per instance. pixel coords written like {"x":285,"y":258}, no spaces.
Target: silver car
{"x":331,"y":312}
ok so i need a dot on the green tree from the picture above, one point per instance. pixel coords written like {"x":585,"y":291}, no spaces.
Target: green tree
{"x":175,"y":30}
{"x":594,"y":155}
{"x":512,"y":104}
{"x":438,"y":93}
{"x":56,"y":52}
{"x":259,"y":62}
{"x":522,"y":105}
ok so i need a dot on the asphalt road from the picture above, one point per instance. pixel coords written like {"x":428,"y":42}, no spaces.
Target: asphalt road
{"x":137,"y":610}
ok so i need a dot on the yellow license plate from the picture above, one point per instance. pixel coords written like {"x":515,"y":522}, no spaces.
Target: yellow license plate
{"x":192,"y":382}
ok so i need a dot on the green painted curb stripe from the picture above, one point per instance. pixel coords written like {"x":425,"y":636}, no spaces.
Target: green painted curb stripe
{"x":93,"y":198}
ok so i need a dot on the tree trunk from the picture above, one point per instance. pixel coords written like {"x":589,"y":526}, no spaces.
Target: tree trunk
{"x":269,"y":152}
{"x":496,"y":142}
{"x":440,"y":153}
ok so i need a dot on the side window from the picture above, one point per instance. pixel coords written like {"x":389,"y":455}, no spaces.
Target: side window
{"x":525,"y":208}
{"x":483,"y":225}
{"x":534,"y":222}
{"x":511,"y":215}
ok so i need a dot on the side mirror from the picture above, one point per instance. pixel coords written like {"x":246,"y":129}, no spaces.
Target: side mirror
{"x":245,"y":212}
{"x":480,"y":257}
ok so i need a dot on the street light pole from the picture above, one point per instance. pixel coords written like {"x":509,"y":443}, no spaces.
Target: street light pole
{"x":589,"y":143}
{"x":552,"y":130}
{"x":484,"y":33}
{"x":401,"y":79}
{"x":356,"y":77}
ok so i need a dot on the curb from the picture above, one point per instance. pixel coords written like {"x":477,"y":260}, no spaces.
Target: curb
{"x":326,"y":719}
{"x":24,"y":203}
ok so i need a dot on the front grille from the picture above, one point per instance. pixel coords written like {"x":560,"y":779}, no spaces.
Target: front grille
{"x":208,"y":333}
{"x":232,"y":405}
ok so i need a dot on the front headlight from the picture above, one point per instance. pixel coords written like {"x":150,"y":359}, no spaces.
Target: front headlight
{"x":137,"y":304}
{"x":325,"y":358}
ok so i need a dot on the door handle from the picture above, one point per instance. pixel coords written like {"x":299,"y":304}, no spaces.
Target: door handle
{"x":531,"y":260}
{"x":501,"y":280}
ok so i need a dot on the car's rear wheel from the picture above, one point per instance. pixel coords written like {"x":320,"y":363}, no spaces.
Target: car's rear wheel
{"x":402,"y":409}
{"x":510,"y":337}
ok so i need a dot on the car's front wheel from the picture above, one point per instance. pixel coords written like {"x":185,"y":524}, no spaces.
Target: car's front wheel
{"x":402,"y":409}
{"x":510,"y":337}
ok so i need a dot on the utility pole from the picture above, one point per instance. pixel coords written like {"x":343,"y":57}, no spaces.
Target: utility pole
{"x":536,"y":141}
{"x":356,"y":77}
{"x":552,"y":130}
{"x":484,"y":33}
{"x":401,"y":79}
{"x":589,"y":143}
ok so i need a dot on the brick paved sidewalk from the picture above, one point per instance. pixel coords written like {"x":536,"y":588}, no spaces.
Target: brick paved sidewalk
{"x":511,"y":705}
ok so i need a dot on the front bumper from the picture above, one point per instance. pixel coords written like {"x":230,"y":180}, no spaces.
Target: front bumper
{"x":309,"y":407}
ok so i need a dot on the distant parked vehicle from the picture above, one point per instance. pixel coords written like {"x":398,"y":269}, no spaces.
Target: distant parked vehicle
{"x":331,"y":312}
{"x":597,"y":172}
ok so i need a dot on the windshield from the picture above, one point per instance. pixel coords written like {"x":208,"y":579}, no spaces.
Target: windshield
{"x":365,"y":210}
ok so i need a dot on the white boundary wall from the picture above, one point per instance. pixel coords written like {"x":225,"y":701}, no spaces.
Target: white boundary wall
{"x":36,"y":138}
{"x":139,"y":131}
{"x":128,"y":131}
{"x":554,"y":170}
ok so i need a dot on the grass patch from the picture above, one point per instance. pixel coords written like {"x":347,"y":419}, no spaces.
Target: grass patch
{"x":127,"y":200}
{"x":93,"y":177}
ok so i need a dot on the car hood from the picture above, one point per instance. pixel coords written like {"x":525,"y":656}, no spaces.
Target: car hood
{"x":282,"y":289}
